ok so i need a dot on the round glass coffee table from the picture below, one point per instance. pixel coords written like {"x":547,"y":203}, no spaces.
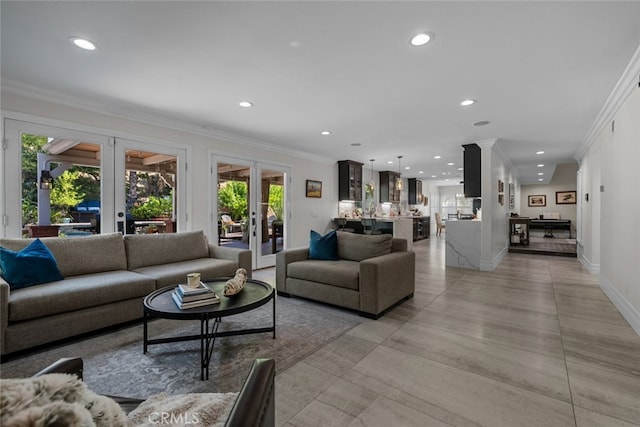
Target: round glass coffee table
{"x":160,"y":304}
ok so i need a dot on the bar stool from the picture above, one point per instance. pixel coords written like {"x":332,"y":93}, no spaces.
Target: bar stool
{"x":342,"y":225}
{"x":369,"y":226}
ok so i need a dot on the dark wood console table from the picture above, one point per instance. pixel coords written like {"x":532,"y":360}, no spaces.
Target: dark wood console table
{"x":548,"y":225}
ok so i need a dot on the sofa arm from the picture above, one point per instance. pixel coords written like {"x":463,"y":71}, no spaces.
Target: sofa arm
{"x":4,"y":312}
{"x":385,"y":280}
{"x":255,"y":405}
{"x":241,"y":256}
{"x":283,"y":259}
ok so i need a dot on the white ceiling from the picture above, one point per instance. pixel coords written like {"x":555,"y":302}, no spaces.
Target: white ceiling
{"x":541,"y":72}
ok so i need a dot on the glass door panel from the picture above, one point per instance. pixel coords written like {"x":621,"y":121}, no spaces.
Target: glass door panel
{"x":272,"y":214}
{"x":148,"y":188}
{"x":236,"y":228}
{"x":61,"y":185}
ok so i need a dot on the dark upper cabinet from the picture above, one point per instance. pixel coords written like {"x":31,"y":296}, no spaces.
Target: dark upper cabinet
{"x":415,"y":191}
{"x":472,"y":162}
{"x":388,"y":189}
{"x":349,"y":180}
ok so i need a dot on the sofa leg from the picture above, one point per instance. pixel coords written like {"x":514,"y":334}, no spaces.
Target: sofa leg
{"x":283,"y":294}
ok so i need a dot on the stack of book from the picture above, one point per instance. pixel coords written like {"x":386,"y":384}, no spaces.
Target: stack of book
{"x":187,"y":297}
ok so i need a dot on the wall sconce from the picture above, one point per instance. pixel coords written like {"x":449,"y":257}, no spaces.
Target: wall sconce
{"x":399,"y":180}
{"x":46,"y":181}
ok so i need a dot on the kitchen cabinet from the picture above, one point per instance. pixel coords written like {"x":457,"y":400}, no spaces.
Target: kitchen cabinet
{"x":472,"y":169}
{"x":421,"y":228}
{"x":349,"y":180}
{"x":415,"y":191}
{"x":388,"y":189}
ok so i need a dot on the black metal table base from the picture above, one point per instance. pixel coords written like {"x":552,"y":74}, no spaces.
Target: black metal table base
{"x":207,"y":337}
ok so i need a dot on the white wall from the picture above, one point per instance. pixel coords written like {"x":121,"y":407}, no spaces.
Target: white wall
{"x":307,"y":213}
{"x":495,"y":216}
{"x":619,"y":236}
{"x":564,"y":179}
{"x":588,"y":235}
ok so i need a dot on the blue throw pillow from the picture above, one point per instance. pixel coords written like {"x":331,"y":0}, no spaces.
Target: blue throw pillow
{"x":32,"y":265}
{"x":323,"y":247}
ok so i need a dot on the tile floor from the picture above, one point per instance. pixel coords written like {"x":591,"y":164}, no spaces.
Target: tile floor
{"x":533,"y":343}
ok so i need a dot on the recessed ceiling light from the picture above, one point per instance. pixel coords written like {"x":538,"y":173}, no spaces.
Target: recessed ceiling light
{"x":433,"y":176}
{"x":407,"y":167}
{"x":356,"y":144}
{"x":82,"y":43}
{"x":482,"y":123}
{"x":540,"y":179}
{"x":540,"y":173}
{"x":450,"y":164}
{"x":245,"y":104}
{"x":460,"y":169}
{"x":437,"y":157}
{"x":421,"y":39}
{"x":540,"y":165}
{"x":468,"y":102}
{"x":539,"y":152}
{"x":390,"y":162}
{"x":420,"y":171}
{"x":325,"y":132}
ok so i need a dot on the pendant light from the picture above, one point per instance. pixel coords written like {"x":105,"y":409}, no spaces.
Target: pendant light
{"x":399,"y":179}
{"x":372,"y":184}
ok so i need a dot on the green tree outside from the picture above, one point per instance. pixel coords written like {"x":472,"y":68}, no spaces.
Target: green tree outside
{"x":232,"y":197}
{"x":66,"y":193}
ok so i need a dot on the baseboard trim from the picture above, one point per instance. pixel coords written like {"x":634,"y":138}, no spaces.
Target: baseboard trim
{"x":490,"y":266}
{"x":628,"y":311}
{"x":593,"y":268}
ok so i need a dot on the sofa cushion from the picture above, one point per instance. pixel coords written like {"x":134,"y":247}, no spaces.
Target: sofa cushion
{"x":176,"y":272}
{"x":323,"y":247}
{"x":30,"y":266}
{"x":156,"y":249}
{"x":344,"y":274}
{"x":358,"y":247}
{"x":76,"y":293}
{"x":90,"y":254}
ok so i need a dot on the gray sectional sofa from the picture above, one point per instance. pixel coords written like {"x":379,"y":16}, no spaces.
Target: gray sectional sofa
{"x":106,"y":278}
{"x":374,"y":273}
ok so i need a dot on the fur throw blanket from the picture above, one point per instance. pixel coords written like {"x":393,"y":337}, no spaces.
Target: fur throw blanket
{"x":55,"y":400}
{"x":200,"y":409}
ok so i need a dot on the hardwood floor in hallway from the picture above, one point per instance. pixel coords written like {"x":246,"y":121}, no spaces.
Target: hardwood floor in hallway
{"x":533,"y":343}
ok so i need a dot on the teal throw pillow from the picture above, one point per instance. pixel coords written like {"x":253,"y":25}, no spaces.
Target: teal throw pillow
{"x":32,"y":265}
{"x":323,"y":247}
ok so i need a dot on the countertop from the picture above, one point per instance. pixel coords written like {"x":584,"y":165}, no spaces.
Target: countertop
{"x":389,"y":218}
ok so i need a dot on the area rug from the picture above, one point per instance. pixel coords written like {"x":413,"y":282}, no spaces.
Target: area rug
{"x":114,"y":362}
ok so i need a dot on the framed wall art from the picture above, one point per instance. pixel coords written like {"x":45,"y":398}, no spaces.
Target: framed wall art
{"x":565,"y":197}
{"x":538,"y":200}
{"x":314,"y":189}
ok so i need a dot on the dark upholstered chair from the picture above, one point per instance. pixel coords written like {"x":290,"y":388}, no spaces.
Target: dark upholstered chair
{"x":254,"y":407}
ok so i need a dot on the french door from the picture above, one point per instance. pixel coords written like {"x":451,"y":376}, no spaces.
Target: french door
{"x":150,"y":187}
{"x":39,"y":156}
{"x":62,"y":181}
{"x":249,"y":207}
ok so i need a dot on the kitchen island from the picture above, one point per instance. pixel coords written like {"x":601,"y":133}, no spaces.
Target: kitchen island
{"x":399,"y":226}
{"x":463,"y":243}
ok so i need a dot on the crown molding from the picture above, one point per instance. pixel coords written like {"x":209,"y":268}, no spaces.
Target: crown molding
{"x":625,"y":85}
{"x":126,"y":113}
